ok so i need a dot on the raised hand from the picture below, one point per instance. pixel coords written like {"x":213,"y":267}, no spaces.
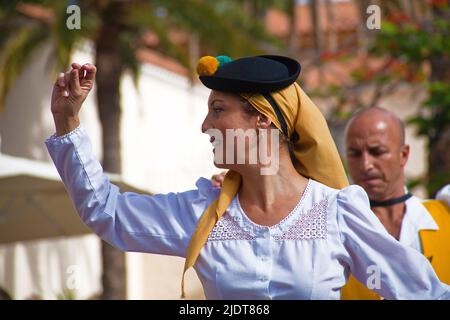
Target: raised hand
{"x":69,"y":92}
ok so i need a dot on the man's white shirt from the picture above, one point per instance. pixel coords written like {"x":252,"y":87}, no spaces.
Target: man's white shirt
{"x":416,"y":218}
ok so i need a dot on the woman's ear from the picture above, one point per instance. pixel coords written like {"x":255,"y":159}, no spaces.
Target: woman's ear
{"x":263,"y":122}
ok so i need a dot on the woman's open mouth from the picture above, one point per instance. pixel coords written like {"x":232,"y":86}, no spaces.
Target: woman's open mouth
{"x":215,"y":142}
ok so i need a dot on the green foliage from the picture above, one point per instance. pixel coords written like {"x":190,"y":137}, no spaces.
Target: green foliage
{"x":414,"y":51}
{"x":222,"y":26}
{"x":420,"y":44}
{"x":413,"y":42}
{"x":436,"y":113}
{"x":15,"y":53}
{"x":416,"y":44}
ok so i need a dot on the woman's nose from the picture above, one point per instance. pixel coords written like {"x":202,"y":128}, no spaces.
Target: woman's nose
{"x":205,"y":125}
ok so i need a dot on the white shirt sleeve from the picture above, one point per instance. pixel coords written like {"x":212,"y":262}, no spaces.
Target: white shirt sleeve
{"x":444,"y":194}
{"x":377,"y":259}
{"x":161,"y":224}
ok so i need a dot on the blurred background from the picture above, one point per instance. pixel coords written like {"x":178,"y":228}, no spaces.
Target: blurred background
{"x":146,"y":109}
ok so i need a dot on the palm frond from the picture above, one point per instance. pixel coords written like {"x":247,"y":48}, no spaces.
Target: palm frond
{"x":145,"y":18}
{"x":64,"y":39}
{"x":128,"y":46}
{"x":15,"y":53}
{"x":222,"y":25}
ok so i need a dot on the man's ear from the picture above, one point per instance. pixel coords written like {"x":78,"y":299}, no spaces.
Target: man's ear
{"x":263,"y":122}
{"x":404,"y":154}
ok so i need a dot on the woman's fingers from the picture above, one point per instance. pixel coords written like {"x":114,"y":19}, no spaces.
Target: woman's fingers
{"x":74,"y":82}
{"x":67,"y":79}
{"x":70,"y":82}
{"x":91,"y":70}
{"x":80,"y":70}
{"x":61,"y":83}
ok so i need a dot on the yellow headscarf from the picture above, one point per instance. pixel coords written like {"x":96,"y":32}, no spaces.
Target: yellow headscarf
{"x":315,"y":151}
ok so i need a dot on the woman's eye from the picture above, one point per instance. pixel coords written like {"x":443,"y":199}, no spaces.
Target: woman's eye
{"x":217,"y":109}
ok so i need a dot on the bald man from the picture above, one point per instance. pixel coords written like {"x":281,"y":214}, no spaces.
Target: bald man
{"x":376,"y":157}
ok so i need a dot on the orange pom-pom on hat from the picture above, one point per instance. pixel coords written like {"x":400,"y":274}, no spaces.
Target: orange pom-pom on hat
{"x":207,"y":66}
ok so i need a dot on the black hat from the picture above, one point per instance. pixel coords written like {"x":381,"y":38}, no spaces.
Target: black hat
{"x":259,"y":74}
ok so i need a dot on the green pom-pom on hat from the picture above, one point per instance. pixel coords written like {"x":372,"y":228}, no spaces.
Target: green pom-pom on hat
{"x":223,"y":60}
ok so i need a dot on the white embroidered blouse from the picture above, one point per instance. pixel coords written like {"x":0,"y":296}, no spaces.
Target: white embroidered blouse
{"x":307,"y":255}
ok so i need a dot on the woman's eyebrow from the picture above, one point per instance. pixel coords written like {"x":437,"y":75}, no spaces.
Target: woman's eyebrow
{"x":216,"y":100}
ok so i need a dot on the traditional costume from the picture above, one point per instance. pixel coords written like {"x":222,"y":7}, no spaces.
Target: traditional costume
{"x":308,"y":255}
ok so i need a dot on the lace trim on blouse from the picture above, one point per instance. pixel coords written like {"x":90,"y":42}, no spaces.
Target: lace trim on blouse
{"x":293,"y":211}
{"x":228,"y":229}
{"x":310,"y":225}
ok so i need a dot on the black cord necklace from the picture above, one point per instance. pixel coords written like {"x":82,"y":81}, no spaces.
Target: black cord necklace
{"x":390,"y":202}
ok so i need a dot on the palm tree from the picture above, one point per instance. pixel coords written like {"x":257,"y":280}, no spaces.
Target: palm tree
{"x":116,"y":29}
